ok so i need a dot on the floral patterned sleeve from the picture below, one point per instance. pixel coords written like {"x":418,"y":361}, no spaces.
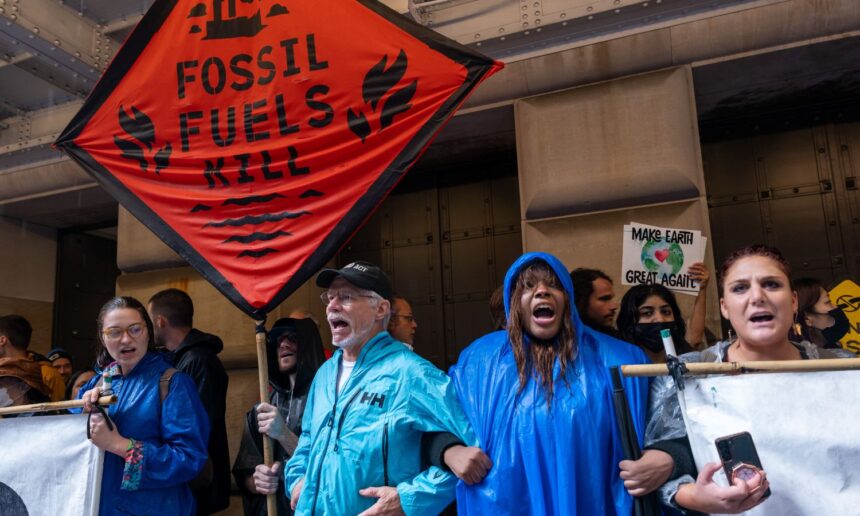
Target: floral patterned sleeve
{"x":133,"y":466}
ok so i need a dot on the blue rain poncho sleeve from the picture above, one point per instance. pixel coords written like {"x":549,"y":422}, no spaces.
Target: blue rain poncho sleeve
{"x":435,"y":407}
{"x":181,"y":452}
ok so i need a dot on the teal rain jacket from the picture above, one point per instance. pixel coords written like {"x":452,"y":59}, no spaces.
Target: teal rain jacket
{"x":370,"y":434}
{"x":561,"y":459}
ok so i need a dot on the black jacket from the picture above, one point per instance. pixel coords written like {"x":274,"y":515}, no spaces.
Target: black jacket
{"x":291,"y":405}
{"x":197,"y":356}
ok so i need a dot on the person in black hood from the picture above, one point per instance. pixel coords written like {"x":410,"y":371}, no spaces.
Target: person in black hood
{"x":195,"y":353}
{"x":295,"y":352}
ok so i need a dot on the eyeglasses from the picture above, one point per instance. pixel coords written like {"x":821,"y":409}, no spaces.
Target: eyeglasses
{"x":344,"y":298}
{"x":409,"y":318}
{"x":115,"y":334}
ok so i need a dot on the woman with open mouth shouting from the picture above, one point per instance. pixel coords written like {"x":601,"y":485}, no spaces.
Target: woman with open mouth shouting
{"x":757,"y":298}
{"x":538,"y":396}
{"x":157,"y":432}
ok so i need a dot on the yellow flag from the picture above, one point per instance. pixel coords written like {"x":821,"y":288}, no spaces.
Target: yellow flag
{"x":846,"y":295}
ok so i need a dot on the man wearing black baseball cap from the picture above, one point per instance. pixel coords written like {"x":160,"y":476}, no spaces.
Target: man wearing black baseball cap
{"x":361,"y":274}
{"x":367,"y":410}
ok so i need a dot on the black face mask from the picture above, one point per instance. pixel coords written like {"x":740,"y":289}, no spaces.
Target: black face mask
{"x":840,"y":327}
{"x":648,"y":336}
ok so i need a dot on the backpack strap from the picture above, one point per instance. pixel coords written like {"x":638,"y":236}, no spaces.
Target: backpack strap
{"x":164,"y":382}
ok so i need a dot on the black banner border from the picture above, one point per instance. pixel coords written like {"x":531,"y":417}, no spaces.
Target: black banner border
{"x":477,"y":67}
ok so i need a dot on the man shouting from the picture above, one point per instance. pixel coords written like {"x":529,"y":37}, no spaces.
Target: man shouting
{"x":368,"y":407}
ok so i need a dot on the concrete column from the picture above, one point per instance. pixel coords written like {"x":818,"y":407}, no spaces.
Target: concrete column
{"x":29,"y":255}
{"x":594,"y":158}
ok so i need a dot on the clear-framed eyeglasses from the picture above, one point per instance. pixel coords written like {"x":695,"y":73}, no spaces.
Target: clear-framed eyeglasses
{"x":114,"y":334}
{"x":343,"y":298}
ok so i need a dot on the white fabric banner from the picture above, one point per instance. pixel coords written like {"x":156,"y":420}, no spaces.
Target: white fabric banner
{"x":804,"y":426}
{"x":48,"y":466}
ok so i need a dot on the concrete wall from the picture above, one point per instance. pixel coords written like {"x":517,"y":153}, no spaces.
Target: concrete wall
{"x":29,"y":258}
{"x":594,"y":158}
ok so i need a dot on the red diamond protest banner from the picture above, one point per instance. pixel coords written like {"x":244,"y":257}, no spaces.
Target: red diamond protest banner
{"x":256,"y":136}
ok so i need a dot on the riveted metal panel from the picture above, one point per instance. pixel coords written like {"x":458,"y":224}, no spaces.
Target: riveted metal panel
{"x":800,"y":204}
{"x":413,"y":272}
{"x":789,"y":159}
{"x":799,"y":230}
{"x":845,"y":156}
{"x":445,"y":249}
{"x":413,"y":217}
{"x":465,"y":322}
{"x":505,"y":205}
{"x":734,"y":226}
{"x":736,"y":181}
{"x":466,"y":268}
{"x":465,"y":210}
{"x":506,"y":249}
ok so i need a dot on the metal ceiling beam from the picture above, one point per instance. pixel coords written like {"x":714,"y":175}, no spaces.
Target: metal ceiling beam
{"x":58,"y":34}
{"x":122,"y":24}
{"x":16,"y":59}
{"x":34,"y":130}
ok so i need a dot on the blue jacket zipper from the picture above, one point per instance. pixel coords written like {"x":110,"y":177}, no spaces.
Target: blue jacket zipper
{"x":342,"y":417}
{"x":330,"y":424}
{"x":385,"y":452}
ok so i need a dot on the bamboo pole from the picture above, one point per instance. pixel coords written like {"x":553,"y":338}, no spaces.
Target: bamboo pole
{"x":782,"y":366}
{"x":263,"y":376}
{"x":55,"y":405}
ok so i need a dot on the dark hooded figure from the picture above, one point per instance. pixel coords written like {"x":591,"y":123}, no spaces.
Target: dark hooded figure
{"x":295,"y":352}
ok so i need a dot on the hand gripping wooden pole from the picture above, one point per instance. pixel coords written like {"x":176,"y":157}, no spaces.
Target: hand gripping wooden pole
{"x":263,"y":373}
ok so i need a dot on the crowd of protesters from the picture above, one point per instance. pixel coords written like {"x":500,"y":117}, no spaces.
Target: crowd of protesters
{"x":524,"y":419}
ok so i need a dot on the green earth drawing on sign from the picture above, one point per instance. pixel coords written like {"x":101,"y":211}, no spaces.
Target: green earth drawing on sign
{"x":662,"y":257}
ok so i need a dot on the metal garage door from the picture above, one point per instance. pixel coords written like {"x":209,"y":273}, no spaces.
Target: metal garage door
{"x":446,"y":249}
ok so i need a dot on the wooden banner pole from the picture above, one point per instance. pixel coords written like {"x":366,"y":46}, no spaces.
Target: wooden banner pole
{"x":785,"y":366}
{"x":55,"y":405}
{"x":263,"y":373}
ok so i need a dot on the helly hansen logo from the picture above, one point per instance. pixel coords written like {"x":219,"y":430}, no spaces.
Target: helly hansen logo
{"x":372,"y":398}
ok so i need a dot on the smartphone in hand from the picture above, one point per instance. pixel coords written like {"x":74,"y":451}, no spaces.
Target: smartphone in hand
{"x":739,"y":457}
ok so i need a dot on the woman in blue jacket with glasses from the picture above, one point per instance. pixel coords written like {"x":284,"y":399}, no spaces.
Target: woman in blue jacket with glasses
{"x":155,"y":438}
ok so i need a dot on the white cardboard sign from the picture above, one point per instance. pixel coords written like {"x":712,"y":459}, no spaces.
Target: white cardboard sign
{"x":661,"y":255}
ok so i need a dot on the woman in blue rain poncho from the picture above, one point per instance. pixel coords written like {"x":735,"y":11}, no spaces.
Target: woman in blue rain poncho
{"x":539,"y":398}
{"x":155,"y":443}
